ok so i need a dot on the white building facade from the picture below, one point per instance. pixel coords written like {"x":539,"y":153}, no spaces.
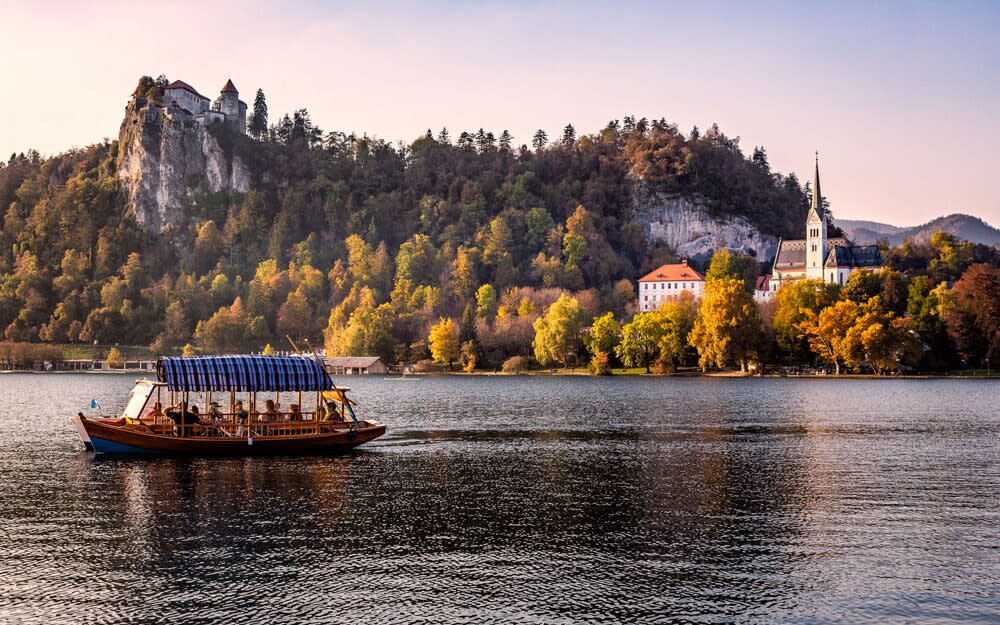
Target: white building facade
{"x":668,"y":282}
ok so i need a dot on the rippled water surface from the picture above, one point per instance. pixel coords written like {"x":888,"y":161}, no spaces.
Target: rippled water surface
{"x":550,"y":500}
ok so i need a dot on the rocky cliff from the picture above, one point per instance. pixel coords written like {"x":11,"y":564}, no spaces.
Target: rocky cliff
{"x":166,"y":158}
{"x":686,"y":226}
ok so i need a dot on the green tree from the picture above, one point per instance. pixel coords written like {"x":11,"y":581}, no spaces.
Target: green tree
{"x":725,"y":265}
{"x":605,"y":334}
{"x":443,"y":341}
{"x":557,"y":333}
{"x":257,"y":125}
{"x":539,"y":140}
{"x":639,"y":341}
{"x":486,"y":302}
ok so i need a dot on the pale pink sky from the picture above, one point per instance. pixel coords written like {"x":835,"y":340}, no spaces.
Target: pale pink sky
{"x":901,"y":101}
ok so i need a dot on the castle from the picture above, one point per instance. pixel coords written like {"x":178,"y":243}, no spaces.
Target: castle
{"x":818,"y":257}
{"x":180,"y":96}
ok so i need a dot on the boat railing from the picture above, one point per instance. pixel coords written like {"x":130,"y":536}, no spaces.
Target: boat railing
{"x":260,"y":425}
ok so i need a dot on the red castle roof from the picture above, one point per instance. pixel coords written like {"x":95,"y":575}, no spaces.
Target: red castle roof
{"x":180,"y":84}
{"x":230,"y":87}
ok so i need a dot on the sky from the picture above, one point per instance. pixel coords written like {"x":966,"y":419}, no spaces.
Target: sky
{"x":901,"y":99}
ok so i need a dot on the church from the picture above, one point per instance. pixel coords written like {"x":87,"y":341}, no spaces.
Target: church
{"x":818,"y":257}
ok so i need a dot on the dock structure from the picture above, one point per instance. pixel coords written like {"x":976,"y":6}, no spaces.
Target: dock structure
{"x":354,"y":365}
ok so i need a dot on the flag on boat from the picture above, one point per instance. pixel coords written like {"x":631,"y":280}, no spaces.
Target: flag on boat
{"x":94,"y":405}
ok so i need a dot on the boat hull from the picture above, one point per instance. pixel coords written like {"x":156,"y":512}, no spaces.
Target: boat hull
{"x":137,"y":439}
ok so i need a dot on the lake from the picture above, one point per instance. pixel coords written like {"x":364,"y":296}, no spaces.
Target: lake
{"x":524,"y":500}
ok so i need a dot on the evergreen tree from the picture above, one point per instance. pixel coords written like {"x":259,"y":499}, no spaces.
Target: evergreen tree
{"x":257,"y":126}
{"x":505,"y":140}
{"x":760,"y":159}
{"x":444,"y":137}
{"x":539,"y":140}
{"x":569,"y":136}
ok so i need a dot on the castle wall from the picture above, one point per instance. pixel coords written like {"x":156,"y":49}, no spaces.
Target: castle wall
{"x":243,"y":117}
{"x":187,"y":100}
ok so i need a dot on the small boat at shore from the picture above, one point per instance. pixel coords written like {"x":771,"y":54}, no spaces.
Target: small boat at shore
{"x":235,"y":422}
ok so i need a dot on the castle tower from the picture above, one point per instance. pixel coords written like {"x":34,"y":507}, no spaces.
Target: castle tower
{"x":816,"y":231}
{"x":233,"y":108}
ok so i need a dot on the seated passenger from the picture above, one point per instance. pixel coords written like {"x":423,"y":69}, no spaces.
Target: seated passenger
{"x":154,"y":415}
{"x":183,"y":418}
{"x":293,"y":413}
{"x":214,"y":412}
{"x":334,"y":412}
{"x":241,"y":412}
{"x":270,"y":411}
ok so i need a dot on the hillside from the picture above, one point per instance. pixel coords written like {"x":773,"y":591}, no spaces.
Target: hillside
{"x":179,"y":232}
{"x":965,"y":227}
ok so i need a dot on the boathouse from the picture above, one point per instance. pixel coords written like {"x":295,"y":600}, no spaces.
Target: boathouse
{"x":355,"y":365}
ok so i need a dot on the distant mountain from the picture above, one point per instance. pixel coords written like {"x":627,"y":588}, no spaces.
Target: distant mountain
{"x":965,"y":227}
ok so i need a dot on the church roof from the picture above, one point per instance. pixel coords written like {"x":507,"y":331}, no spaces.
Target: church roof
{"x":180,"y":84}
{"x":854,"y":256}
{"x":678,"y":271}
{"x":229,"y":86}
{"x":791,"y":254}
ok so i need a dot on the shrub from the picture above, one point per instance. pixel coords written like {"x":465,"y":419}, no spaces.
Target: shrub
{"x":600,"y":364}
{"x":424,"y":366}
{"x":516,"y":364}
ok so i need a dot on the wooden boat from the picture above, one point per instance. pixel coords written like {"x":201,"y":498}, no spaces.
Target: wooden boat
{"x":327,"y":423}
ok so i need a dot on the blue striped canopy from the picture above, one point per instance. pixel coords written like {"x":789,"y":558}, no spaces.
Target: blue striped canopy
{"x":243,"y":373}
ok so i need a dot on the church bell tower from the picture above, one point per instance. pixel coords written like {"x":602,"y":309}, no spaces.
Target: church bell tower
{"x":816,"y":232}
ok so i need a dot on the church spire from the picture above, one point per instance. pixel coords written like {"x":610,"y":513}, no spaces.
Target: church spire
{"x":817,"y":198}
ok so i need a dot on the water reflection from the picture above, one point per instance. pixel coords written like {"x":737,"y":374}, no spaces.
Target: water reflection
{"x":686,"y":501}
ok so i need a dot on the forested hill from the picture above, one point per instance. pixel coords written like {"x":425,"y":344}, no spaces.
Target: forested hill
{"x":334,"y":224}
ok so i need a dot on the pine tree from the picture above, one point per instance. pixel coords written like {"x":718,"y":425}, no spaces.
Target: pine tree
{"x":569,"y":136}
{"x":505,"y":140}
{"x":759,"y":158}
{"x":444,"y":137}
{"x":257,"y":128}
{"x":539,"y":140}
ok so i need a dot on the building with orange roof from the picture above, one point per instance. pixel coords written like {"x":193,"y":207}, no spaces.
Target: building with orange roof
{"x":668,"y":282}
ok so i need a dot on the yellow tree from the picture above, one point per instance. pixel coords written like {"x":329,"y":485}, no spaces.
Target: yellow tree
{"x":443,"y":341}
{"x":676,"y":317}
{"x":827,"y":333}
{"x":115,"y":359}
{"x":793,"y":303}
{"x":727,"y":329}
{"x":557,"y":333}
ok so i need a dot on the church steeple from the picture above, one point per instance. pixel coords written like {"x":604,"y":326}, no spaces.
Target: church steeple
{"x":817,"y":196}
{"x":816,"y":251}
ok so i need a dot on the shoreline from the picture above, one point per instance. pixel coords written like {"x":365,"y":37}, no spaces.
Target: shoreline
{"x":584,"y":373}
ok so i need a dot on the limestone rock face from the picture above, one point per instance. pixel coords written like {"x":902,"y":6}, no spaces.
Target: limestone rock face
{"x":686,"y":226}
{"x":166,"y":158}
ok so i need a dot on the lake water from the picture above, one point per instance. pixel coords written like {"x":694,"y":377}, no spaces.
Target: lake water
{"x":524,"y":500}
